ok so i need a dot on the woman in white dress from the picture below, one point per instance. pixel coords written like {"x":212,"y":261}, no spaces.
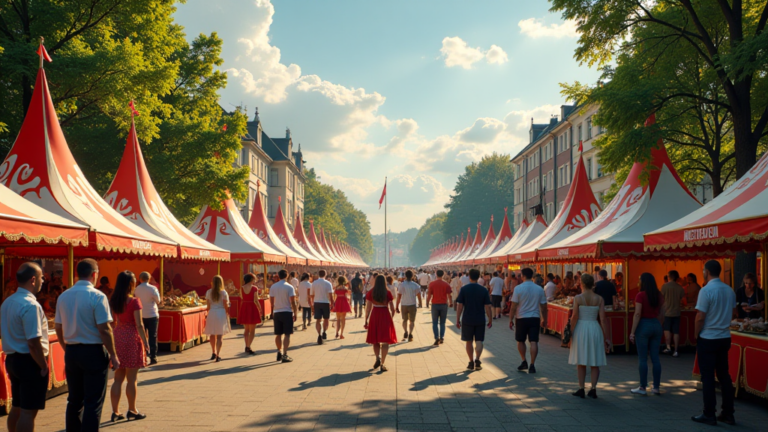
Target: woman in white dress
{"x":588,"y":340}
{"x":217,"y":322}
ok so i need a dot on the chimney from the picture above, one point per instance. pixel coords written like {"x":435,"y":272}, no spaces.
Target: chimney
{"x":288,"y":133}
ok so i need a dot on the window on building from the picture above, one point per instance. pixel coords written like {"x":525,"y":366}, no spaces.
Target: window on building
{"x":599,"y":169}
{"x":581,"y":137}
{"x":589,"y":168}
{"x":252,"y":198}
{"x":550,"y":212}
{"x":550,"y":180}
{"x":271,"y":212}
{"x":589,"y":128}
{"x":244,"y":157}
{"x":273,"y":176}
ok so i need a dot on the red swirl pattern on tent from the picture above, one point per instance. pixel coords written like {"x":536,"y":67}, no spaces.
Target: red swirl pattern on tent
{"x":260,"y":226}
{"x":41,"y":168}
{"x":133,"y":195}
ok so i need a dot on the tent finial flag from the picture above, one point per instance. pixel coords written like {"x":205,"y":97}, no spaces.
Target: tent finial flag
{"x":132,"y":106}
{"x":43,"y":53}
{"x":581,"y":146}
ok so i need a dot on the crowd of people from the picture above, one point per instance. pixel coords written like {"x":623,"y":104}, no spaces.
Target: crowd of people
{"x":117,"y":329}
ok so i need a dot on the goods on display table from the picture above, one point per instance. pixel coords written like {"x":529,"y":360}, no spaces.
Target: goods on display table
{"x":747,"y":361}
{"x":182,"y":328}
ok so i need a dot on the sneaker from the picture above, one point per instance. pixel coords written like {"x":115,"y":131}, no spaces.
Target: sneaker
{"x":579,"y":393}
{"x":523,"y":366}
{"x":405,"y":335}
{"x":325,"y":336}
{"x":675,"y":354}
{"x":478,"y":365}
{"x":286,"y":359}
{"x":727,"y":419}
{"x":639,"y":391}
{"x":471,"y":365}
{"x":319,"y":340}
{"x":592,"y":393}
{"x":701,"y":418}
{"x":410,"y":338}
{"x":437,"y":342}
{"x":531,"y":369}
{"x":656,"y":391}
{"x":279,"y":356}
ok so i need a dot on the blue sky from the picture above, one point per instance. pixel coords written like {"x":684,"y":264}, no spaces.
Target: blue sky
{"x":412,"y":90}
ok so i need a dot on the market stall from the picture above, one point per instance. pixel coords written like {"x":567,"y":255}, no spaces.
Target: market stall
{"x":182,"y":327}
{"x":501,"y":240}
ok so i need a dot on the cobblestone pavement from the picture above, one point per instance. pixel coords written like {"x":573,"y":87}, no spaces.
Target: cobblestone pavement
{"x":332,"y":387}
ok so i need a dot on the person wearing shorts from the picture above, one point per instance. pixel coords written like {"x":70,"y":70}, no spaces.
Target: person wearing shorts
{"x":673,"y":295}
{"x":424,"y":284}
{"x":527,"y":315}
{"x":472,"y":313}
{"x":321,"y":295}
{"x":407,"y":293}
{"x":281,"y":296}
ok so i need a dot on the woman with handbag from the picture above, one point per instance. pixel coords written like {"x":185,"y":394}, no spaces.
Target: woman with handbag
{"x":588,"y":341}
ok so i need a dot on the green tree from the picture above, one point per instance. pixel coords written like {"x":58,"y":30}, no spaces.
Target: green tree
{"x":484,"y":189}
{"x":356,"y":225}
{"x":430,"y":236}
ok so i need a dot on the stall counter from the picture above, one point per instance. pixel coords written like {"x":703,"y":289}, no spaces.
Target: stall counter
{"x":746,"y":363}
{"x":182,"y":327}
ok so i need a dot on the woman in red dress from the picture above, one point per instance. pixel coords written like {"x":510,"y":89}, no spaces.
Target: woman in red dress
{"x":381,"y":328}
{"x":341,"y":305}
{"x":250,"y":310}
{"x":130,"y":344}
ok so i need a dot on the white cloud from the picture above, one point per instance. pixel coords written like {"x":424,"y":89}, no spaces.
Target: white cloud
{"x":484,"y":130}
{"x":520,"y":120}
{"x":535,"y":28}
{"x":458,"y":53}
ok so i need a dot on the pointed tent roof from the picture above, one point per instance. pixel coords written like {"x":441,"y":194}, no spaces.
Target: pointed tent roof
{"x":462,"y":249}
{"x":452,"y":251}
{"x":318,"y":247}
{"x":734,"y":221}
{"x":260,"y":225}
{"x":327,"y":247}
{"x":638,"y":207}
{"x":579,"y":209}
{"x":41,"y":168}
{"x":538,"y":226}
{"x":490,"y":237}
{"x":280,"y":227}
{"x":473,"y":247}
{"x":226,"y":229}
{"x":504,"y":237}
{"x":301,"y":238}
{"x":133,"y":195}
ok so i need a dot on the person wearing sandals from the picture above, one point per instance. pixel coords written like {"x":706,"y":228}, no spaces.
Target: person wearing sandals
{"x":646,"y":331}
{"x":217,"y":322}
{"x":341,"y":306}
{"x":589,"y":341}
{"x":379,"y":310}
{"x":250,"y":312}
{"x":130,"y":343}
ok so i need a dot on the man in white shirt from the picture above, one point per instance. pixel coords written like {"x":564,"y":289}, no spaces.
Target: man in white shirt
{"x":25,"y":342}
{"x":424,"y":284}
{"x":150,"y":300}
{"x":321,"y":296}
{"x":464,"y":279}
{"x":714,"y":308}
{"x":82,"y":327}
{"x":293,"y":281}
{"x":497,"y":290}
{"x":527,"y":315}
{"x":304,"y":302}
{"x":406,"y":297}
{"x":550,"y":288}
{"x":281,"y":296}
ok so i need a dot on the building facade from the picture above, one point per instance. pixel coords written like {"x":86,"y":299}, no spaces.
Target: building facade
{"x":544,"y":168}
{"x":276,"y":173}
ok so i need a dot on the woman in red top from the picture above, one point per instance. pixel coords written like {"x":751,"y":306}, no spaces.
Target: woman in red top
{"x":381,"y":330}
{"x":250,"y":312}
{"x":646,"y":331}
{"x":341,"y":306}
{"x":130,"y":344}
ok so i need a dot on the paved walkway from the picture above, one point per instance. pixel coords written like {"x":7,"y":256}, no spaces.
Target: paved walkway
{"x":426,"y":388}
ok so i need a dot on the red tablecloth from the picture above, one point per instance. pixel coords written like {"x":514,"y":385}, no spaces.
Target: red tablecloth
{"x":747,"y":362}
{"x":179,"y":327}
{"x":57,"y":376}
{"x":234,"y":307}
{"x":266,"y":306}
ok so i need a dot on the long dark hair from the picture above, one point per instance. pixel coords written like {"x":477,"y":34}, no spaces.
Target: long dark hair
{"x":126,"y":281}
{"x":648,"y":285}
{"x":379,"y":291}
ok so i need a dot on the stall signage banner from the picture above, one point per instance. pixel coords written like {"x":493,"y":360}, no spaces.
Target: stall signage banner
{"x":562,"y":252}
{"x":700,"y":234}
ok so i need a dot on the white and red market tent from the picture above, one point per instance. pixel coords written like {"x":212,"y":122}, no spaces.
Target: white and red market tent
{"x":735,"y":221}
{"x":301,"y":238}
{"x":284,"y":234}
{"x":490,"y":237}
{"x":492,"y":255}
{"x":639,"y":206}
{"x":226,"y":229}
{"x":454,"y":260}
{"x":260,"y":226}
{"x":133,"y":195}
{"x":41,"y":168}
{"x":534,"y":230}
{"x":579,"y":209}
{"x":313,"y":240}
{"x":473,"y":247}
{"x":453,"y":251}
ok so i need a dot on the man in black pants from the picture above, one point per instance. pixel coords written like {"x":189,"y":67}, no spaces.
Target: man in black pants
{"x":475,"y":305}
{"x":82,"y":326}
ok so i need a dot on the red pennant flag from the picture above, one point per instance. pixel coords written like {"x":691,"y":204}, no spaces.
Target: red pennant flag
{"x":383,"y":194}
{"x":133,"y":109}
{"x":224,"y":128}
{"x":581,"y":146}
{"x":43,"y":53}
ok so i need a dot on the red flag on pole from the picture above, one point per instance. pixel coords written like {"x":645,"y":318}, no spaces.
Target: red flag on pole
{"x":224,"y":128}
{"x":133,"y":109}
{"x":383,"y":194}
{"x":43,"y":53}
{"x":581,"y":146}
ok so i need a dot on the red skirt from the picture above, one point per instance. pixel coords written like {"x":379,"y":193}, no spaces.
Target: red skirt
{"x":248,"y":314}
{"x":342,"y":305}
{"x":381,"y":328}
{"x":129,"y":347}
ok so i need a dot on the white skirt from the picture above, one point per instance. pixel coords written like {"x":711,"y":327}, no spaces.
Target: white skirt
{"x":587,"y":344}
{"x":217,"y":322}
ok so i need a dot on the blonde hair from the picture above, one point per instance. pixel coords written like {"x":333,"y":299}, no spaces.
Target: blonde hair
{"x":342,"y":281}
{"x":217,"y":287}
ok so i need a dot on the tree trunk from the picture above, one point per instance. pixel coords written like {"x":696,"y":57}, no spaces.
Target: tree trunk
{"x":26,"y":93}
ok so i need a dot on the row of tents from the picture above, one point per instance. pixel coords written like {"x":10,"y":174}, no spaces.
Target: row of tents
{"x":653,"y":216}
{"x":49,"y":209}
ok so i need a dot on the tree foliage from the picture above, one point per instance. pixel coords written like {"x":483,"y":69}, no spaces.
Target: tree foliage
{"x":484,"y":189}
{"x":430,"y":235}
{"x":330,"y":209}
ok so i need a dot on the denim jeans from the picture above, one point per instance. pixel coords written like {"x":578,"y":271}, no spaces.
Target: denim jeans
{"x":439,"y":311}
{"x":150,"y":325}
{"x":648,"y":339}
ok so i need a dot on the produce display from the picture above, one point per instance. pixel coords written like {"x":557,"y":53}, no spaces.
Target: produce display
{"x":563,"y":301}
{"x":746,"y":325}
{"x":190,"y":299}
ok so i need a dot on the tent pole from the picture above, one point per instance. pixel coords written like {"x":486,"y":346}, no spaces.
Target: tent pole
{"x":240,"y":266}
{"x":764,"y":271}
{"x":2,"y":275}
{"x":626,"y":305}
{"x":162,"y":276}
{"x":218,"y":268}
{"x":71,"y":260}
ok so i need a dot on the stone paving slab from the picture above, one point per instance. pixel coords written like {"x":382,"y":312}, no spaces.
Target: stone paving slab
{"x":332,"y":387}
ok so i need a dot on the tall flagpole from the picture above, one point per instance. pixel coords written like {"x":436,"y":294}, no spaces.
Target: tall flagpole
{"x":385,"y":225}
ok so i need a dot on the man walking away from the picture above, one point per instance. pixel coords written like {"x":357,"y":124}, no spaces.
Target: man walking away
{"x":306,"y":305}
{"x":606,"y":289}
{"x":424,"y":283}
{"x":455,"y":287}
{"x":475,"y":310}
{"x":406,"y":297}
{"x":25,"y":342}
{"x":150,"y":300}
{"x":673,"y":295}
{"x":439,"y":292}
{"x":321,"y":296}
{"x":527,"y":315}
{"x":357,"y":294}
{"x":293,"y":281}
{"x":82,"y":326}
{"x":714,"y":310}
{"x":281,"y":296}
{"x":497,"y":293}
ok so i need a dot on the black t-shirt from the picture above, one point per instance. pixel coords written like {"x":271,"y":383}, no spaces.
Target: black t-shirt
{"x":474,"y":297}
{"x":755,"y":298}
{"x":606,"y":289}
{"x":357,"y":285}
